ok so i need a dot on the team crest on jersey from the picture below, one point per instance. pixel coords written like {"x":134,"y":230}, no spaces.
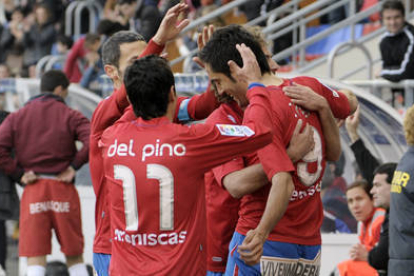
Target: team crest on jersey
{"x":231,"y":118}
{"x":233,"y":130}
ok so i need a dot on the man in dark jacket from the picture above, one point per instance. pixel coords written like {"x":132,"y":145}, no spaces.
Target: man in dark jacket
{"x":397,"y":44}
{"x":43,"y":135}
{"x":402,"y":204}
{"x":380,"y":176}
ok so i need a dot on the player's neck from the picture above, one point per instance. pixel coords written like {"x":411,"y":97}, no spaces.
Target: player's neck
{"x":271,"y":79}
{"x":170,"y":111}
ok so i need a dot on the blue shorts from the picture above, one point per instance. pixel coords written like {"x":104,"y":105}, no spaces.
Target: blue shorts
{"x":211,"y":273}
{"x":101,"y":263}
{"x":295,"y":257}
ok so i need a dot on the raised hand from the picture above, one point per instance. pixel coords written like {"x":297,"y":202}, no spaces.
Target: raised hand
{"x":202,"y":40}
{"x":169,"y":29}
{"x":250,"y":72}
{"x":352,"y":124}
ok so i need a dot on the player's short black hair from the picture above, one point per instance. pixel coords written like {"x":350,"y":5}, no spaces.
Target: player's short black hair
{"x":393,"y":5}
{"x":111,"y":51}
{"x":52,"y":79}
{"x":148,"y":82}
{"x":222,"y":47}
{"x":388,"y":169}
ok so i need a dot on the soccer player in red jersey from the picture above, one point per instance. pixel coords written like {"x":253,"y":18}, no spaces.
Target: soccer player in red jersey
{"x":155,"y":171}
{"x":222,"y":207}
{"x":118,"y":52}
{"x":294,"y":187}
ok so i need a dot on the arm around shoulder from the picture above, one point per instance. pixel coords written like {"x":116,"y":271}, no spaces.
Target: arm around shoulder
{"x":245,"y":181}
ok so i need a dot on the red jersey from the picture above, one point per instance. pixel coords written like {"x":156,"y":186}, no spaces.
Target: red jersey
{"x":106,"y":114}
{"x":302,"y":220}
{"x":155,"y":175}
{"x":222,"y":208}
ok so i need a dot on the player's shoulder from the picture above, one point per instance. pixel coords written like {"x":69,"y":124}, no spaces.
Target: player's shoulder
{"x":225,"y":114}
{"x":116,"y":129}
{"x":306,"y":80}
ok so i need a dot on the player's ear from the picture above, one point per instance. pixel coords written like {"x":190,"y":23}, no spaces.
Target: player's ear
{"x":111,"y":71}
{"x":172,"y":96}
{"x":58,"y":90}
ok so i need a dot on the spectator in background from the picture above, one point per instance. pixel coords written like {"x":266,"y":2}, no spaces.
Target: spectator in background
{"x":108,"y":27}
{"x":92,"y":77}
{"x":188,"y":42}
{"x":381,"y":188}
{"x":11,"y":42}
{"x":365,"y":160}
{"x":43,"y":135}
{"x":369,"y":225}
{"x":75,"y":62}
{"x":38,"y":39}
{"x":397,"y":44}
{"x":6,"y":10}
{"x":64,"y":44}
{"x":333,"y":194}
{"x":4,"y":71}
{"x":3,"y":237}
{"x":255,"y":8}
{"x":141,"y":16}
{"x":380,"y":176}
{"x":402,"y":205}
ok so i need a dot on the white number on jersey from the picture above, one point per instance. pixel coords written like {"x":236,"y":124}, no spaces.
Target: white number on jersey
{"x":127,"y":177}
{"x":308,"y":179}
{"x":166,"y":182}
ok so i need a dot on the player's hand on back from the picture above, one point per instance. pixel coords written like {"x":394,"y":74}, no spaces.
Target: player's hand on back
{"x":28,"y":178}
{"x":250,"y":72}
{"x":301,"y":142}
{"x":251,"y":249}
{"x":169,"y":29}
{"x":305,"y":97}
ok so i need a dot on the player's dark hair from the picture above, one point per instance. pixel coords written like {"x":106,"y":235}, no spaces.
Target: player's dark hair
{"x":222,"y":47}
{"x":148,"y":82}
{"x":111,"y":51}
{"x":52,"y":79}
{"x":361,"y":184}
{"x":393,"y":5}
{"x":388,"y":169}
